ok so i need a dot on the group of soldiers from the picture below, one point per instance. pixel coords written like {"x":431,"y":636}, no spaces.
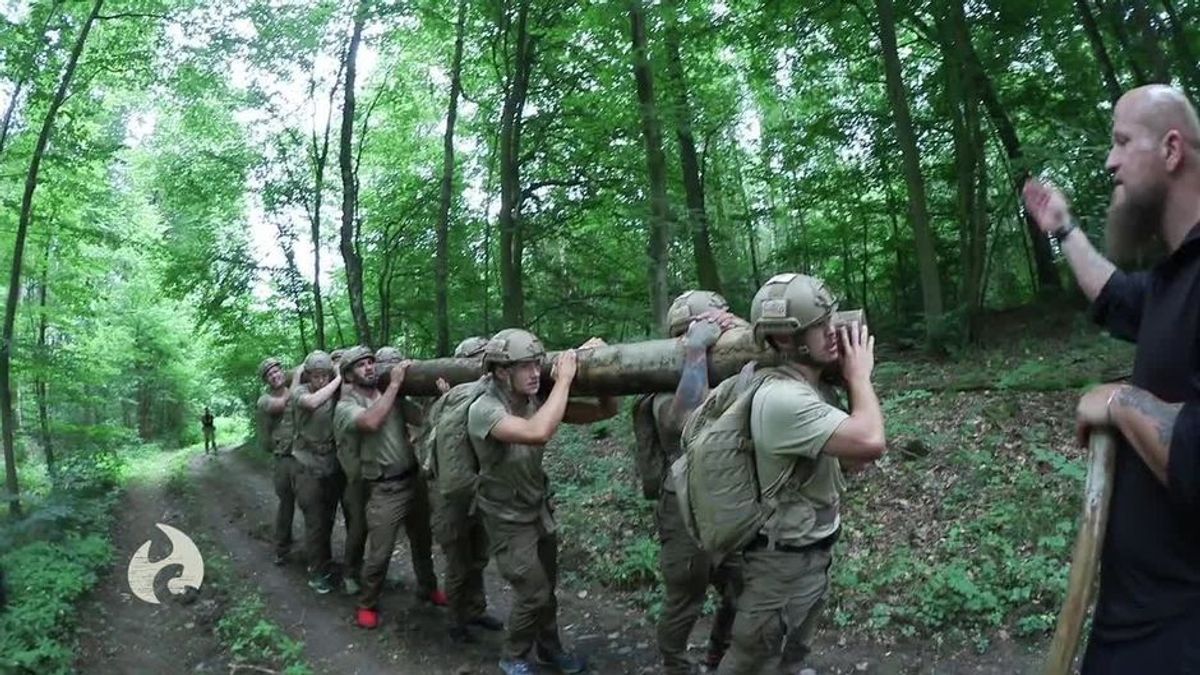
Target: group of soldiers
{"x":342,"y":433}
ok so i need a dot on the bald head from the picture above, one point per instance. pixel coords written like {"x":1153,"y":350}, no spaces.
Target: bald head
{"x":1160,"y":109}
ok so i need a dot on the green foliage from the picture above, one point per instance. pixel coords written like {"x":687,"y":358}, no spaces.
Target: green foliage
{"x":52,"y":558}
{"x":998,"y":557}
{"x":606,"y":525}
{"x":254,"y":639}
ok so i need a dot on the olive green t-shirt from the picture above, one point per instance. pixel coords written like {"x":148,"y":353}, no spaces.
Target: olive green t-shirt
{"x":512,"y":485}
{"x":383,"y":454}
{"x":790,"y":422}
{"x":313,"y":445}
{"x":275,"y":430}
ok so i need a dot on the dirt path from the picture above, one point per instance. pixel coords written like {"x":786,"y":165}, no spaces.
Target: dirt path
{"x":233,"y":506}
{"x":120,"y":633}
{"x":237,"y":503}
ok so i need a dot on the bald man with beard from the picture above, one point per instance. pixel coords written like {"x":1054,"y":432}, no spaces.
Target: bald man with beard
{"x":1147,"y":616}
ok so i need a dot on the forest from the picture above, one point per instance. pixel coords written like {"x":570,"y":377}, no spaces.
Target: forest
{"x":190,"y":186}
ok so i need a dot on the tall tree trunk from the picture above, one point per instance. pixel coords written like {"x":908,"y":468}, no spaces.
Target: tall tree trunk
{"x":918,"y":211}
{"x":1111,"y":84}
{"x":349,"y":238}
{"x":1148,"y":33}
{"x":442,"y":257}
{"x":14,"y":279}
{"x":40,"y":386}
{"x":1186,"y":61}
{"x":1046,"y":278}
{"x":980,"y":226}
{"x":963,"y":104}
{"x":751,"y":226}
{"x":512,"y":242}
{"x":693,"y":185}
{"x":1116,"y":20}
{"x":656,"y":170}
{"x":320,"y":159}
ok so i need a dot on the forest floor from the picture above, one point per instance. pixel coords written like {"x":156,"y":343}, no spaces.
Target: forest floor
{"x":953,"y":559}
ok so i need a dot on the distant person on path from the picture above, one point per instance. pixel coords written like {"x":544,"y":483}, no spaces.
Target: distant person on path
{"x":210,"y":431}
{"x":1147,"y":617}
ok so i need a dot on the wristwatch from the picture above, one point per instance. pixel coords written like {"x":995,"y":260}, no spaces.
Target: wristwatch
{"x":1061,"y":233}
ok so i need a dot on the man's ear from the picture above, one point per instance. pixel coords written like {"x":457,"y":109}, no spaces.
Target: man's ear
{"x":1172,"y":150}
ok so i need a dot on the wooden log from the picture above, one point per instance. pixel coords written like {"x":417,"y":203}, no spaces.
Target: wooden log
{"x":1085,"y":559}
{"x":617,"y":370}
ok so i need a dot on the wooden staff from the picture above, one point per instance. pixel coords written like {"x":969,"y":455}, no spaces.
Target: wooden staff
{"x":1085,"y":559}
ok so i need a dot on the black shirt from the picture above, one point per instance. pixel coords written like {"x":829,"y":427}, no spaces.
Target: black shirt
{"x":1150,"y":565}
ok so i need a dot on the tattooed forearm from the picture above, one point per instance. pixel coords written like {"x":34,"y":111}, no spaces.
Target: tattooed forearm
{"x":1161,"y":415}
{"x":693,"y":385}
{"x":1147,"y":423}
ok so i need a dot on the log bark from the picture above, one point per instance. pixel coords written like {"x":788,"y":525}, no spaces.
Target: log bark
{"x":617,"y":370}
{"x":1085,"y":560}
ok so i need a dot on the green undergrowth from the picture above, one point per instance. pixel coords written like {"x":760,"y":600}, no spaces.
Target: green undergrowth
{"x":55,"y":554}
{"x":962,"y":533}
{"x":1076,"y":359}
{"x":253,"y":640}
{"x":606,"y":528}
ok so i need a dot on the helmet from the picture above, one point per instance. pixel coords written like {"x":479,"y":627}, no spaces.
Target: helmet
{"x":267,"y":364}
{"x":352,"y":356}
{"x":388,"y":355}
{"x":513,"y":345}
{"x":318,"y":360}
{"x":689,"y":306}
{"x":790,"y":303}
{"x":470,"y":347}
{"x":336,"y":354}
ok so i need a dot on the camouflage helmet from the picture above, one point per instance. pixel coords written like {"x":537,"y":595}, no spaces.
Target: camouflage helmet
{"x":513,"y":345}
{"x":788,"y":304}
{"x":336,"y":355}
{"x":352,"y":356}
{"x":318,"y":361}
{"x":689,"y":306}
{"x":388,"y":355}
{"x":470,"y":347}
{"x":267,"y":364}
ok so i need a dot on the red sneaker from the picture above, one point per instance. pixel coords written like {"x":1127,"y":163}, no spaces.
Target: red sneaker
{"x":367,"y":618}
{"x":712,"y":660}
{"x":438,"y":597}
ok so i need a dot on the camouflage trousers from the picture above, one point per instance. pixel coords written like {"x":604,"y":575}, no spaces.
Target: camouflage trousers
{"x":461,"y":534}
{"x":777,"y":611}
{"x":284,"y":478}
{"x":687,"y":573}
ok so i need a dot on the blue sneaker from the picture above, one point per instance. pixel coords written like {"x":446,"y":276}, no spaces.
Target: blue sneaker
{"x":565,"y":662}
{"x":517,"y":667}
